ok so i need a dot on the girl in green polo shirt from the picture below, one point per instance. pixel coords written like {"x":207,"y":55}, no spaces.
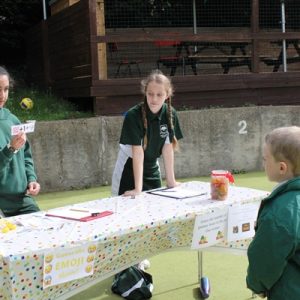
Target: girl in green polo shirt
{"x":18,"y":181}
{"x":150,"y":129}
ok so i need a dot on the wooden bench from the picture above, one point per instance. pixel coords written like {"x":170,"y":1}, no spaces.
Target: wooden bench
{"x":226,"y":61}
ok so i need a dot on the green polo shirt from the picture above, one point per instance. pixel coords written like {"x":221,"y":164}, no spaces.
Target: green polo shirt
{"x":16,"y":171}
{"x":158,"y":132}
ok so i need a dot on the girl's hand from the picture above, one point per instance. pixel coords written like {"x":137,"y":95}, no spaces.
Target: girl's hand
{"x":132,"y":193}
{"x":173,"y":184}
{"x":33,"y":188}
{"x":18,"y":140}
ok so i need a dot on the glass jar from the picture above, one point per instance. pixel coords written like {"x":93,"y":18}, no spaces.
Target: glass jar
{"x":219,"y":184}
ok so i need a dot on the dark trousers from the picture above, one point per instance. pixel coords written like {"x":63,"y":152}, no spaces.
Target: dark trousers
{"x":12,"y":205}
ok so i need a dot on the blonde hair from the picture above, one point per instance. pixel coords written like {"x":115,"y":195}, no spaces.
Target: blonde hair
{"x":284,"y":144}
{"x":158,"y":77}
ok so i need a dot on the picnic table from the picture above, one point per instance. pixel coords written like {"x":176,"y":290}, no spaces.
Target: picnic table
{"x":227,"y":54}
{"x":278,"y":61}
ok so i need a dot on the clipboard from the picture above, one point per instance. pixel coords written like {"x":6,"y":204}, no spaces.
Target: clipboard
{"x":176,"y":193}
{"x":78,"y":215}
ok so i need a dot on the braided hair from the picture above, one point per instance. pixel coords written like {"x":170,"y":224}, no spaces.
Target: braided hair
{"x":158,"y":77}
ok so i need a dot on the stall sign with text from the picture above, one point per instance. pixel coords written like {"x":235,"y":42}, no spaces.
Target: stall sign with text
{"x":210,"y":229}
{"x":67,"y":264}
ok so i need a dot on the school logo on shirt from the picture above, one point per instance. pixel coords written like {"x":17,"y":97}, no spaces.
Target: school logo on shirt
{"x":164,"y":131}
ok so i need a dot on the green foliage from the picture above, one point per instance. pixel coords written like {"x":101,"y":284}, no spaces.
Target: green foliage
{"x":236,"y":171}
{"x":46,"y":106}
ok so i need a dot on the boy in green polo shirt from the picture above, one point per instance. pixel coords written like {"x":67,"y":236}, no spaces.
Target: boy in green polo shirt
{"x":150,"y":129}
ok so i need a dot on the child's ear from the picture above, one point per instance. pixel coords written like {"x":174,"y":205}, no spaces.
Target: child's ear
{"x":283,"y":167}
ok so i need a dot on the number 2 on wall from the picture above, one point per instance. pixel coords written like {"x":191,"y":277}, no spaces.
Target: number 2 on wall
{"x":243,"y":127}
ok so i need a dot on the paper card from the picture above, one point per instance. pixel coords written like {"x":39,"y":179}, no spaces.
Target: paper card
{"x":241,"y":221}
{"x":68,"y":264}
{"x":25,"y":127}
{"x":210,"y":229}
{"x":69,"y":213}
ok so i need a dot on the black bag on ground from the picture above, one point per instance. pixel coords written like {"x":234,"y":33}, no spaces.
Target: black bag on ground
{"x":133,"y":284}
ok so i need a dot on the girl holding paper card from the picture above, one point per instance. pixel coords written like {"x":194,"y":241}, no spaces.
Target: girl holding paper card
{"x":150,"y":129}
{"x":18,"y":180}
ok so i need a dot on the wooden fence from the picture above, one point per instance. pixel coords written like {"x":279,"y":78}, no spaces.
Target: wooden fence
{"x":70,"y":54}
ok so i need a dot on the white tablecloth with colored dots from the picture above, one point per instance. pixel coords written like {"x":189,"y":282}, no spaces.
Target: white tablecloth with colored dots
{"x":139,"y":228}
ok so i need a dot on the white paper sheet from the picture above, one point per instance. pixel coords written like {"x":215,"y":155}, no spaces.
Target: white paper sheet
{"x":241,"y":221}
{"x":210,"y":229}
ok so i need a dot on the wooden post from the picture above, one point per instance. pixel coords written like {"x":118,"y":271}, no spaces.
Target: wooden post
{"x":102,"y":58}
{"x":255,"y":61}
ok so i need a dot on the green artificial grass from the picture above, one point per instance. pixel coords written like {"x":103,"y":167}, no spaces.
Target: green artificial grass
{"x":57,"y":199}
{"x":175,"y":273}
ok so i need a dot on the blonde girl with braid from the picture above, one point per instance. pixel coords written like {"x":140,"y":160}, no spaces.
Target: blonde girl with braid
{"x":150,"y":130}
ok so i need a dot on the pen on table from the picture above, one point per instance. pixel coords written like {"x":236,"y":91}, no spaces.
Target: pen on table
{"x":93,"y":213}
{"x":80,"y":210}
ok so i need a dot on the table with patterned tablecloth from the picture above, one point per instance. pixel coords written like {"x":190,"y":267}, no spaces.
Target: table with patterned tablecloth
{"x":140,"y":227}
